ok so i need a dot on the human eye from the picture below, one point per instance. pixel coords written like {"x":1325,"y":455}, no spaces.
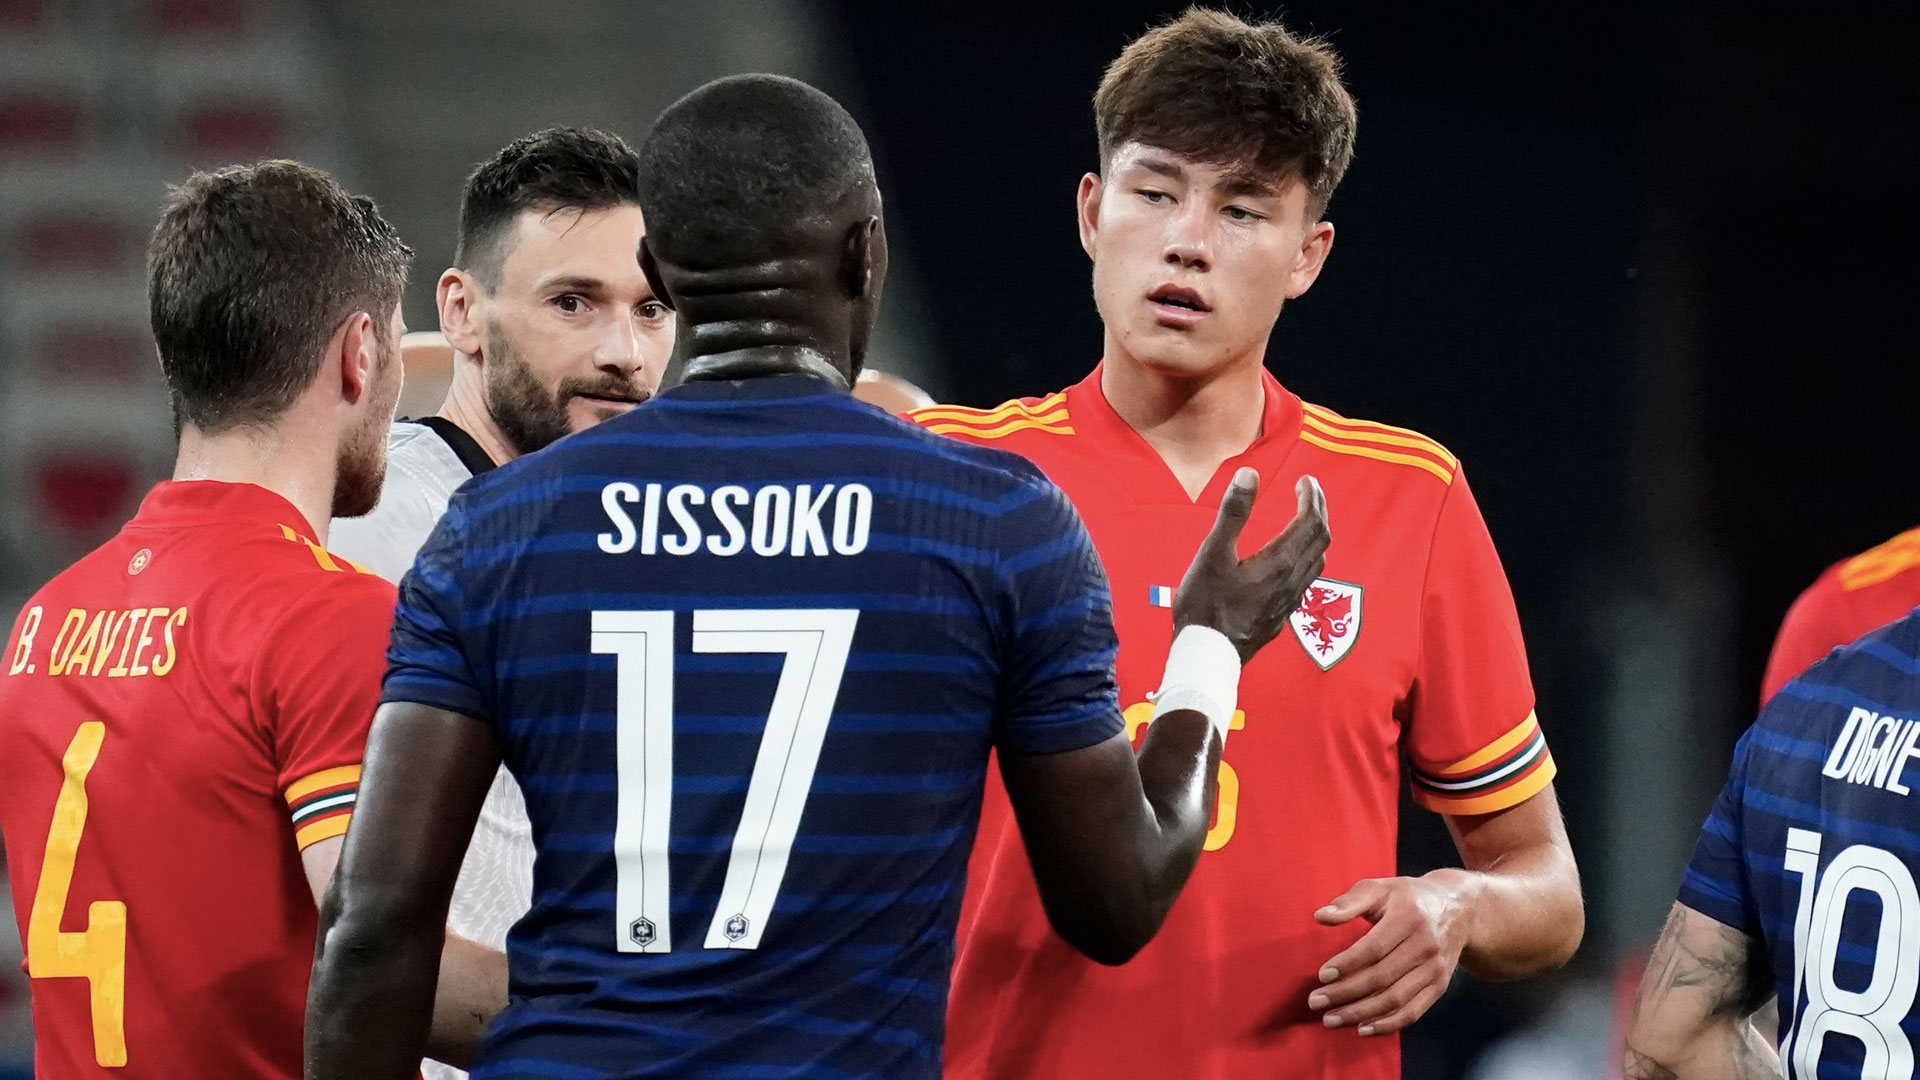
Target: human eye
{"x":570,"y":303}
{"x":1153,"y":197}
{"x":652,"y":309}
{"x":1241,"y":213}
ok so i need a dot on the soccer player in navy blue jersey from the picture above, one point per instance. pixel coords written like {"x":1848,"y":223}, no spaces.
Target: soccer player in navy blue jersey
{"x":746,"y":650}
{"x":1802,"y":888}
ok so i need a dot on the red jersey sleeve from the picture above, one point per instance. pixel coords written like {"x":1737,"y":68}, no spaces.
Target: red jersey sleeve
{"x":1472,"y":739}
{"x":315,"y":689}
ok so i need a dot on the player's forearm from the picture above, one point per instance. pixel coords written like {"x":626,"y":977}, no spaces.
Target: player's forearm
{"x":471,"y":991}
{"x":1525,"y":913}
{"x":1727,"y":1048}
{"x":371,"y":1003}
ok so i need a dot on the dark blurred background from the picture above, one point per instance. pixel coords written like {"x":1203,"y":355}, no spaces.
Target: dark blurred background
{"x":1641,"y":267}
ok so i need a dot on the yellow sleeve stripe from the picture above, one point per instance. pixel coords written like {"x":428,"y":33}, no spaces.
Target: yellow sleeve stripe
{"x":987,"y":416}
{"x":1876,"y":565}
{"x":1494,"y":750}
{"x":1494,"y":801}
{"x":325,"y":829}
{"x":1445,"y":475}
{"x":1335,"y":424}
{"x":325,"y":778}
{"x":1412,"y":442}
{"x":1004,"y":429}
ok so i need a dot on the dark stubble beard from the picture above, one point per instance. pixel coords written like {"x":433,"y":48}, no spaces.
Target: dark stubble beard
{"x":362,"y":466}
{"x":531,"y":417}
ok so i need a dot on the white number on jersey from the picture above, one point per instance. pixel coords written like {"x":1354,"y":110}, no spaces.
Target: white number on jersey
{"x":816,"y":642}
{"x":1871,"y":1015}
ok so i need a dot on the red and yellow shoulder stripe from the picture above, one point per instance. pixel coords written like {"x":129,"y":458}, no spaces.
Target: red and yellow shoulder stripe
{"x":1874,"y":566}
{"x":1047,"y":414}
{"x":327,"y":559}
{"x":1328,"y":430}
{"x":1506,"y":772}
{"x":322,"y":803}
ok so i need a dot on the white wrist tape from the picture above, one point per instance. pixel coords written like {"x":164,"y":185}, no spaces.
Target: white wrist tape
{"x":1203,"y":674}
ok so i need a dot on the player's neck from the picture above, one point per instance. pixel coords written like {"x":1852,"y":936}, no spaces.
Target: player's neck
{"x":761,"y":360}
{"x":282,"y":461}
{"x":1194,"y":424}
{"x":466,"y":407}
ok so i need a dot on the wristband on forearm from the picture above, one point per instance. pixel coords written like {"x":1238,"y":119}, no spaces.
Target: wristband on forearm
{"x":1203,"y":674}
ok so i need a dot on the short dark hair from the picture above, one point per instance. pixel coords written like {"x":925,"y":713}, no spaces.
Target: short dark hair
{"x":250,"y":271}
{"x":728,"y":172}
{"x":561,"y":168}
{"x":1217,"y":89}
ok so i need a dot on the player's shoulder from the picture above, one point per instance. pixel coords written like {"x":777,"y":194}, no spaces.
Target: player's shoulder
{"x":291,"y":568}
{"x":1019,"y":423}
{"x":1875,"y":671}
{"x":1377,"y":452}
{"x":1896,"y":560}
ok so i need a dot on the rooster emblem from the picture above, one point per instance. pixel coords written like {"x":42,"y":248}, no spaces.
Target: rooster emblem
{"x":1328,"y":620}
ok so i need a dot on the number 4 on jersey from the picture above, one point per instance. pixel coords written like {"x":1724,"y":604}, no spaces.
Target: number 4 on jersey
{"x":816,"y":643}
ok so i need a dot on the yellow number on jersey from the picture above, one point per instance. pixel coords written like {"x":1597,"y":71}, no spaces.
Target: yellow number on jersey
{"x":1227,"y":811}
{"x":97,"y":954}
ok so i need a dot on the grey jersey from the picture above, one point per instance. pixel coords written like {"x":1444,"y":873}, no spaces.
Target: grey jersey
{"x":423,"y":470}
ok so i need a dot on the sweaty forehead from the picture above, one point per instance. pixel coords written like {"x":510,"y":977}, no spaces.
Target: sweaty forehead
{"x":545,"y":241}
{"x":1234,"y":177}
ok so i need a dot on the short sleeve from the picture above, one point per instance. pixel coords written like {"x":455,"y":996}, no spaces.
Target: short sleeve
{"x":316,"y":686}
{"x":1715,"y":884}
{"x":428,"y":660}
{"x":1057,"y":689}
{"x":1472,"y":739}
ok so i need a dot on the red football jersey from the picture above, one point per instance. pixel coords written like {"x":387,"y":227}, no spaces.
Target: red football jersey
{"x":1408,"y":644}
{"x":181,"y":712}
{"x":1852,"y":597}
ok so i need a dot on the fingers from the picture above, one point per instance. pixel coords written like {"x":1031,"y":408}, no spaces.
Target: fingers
{"x":1392,"y":1009}
{"x":1366,"y":898}
{"x":1235,"y":507}
{"x":1306,"y":537}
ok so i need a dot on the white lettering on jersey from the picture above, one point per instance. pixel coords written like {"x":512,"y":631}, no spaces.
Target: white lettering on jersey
{"x":1873,"y":750}
{"x":774,"y":520}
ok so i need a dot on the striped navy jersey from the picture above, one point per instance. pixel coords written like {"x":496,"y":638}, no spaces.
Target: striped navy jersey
{"x":746,"y":650}
{"x":1813,"y":849}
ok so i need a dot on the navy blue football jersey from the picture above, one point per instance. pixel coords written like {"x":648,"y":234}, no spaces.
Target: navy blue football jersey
{"x":746,"y":650}
{"x":1813,"y":849}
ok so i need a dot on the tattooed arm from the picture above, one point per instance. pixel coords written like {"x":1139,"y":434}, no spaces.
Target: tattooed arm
{"x":1690,"y":1021}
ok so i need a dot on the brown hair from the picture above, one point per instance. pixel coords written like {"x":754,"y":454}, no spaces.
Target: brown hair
{"x":250,"y":271}
{"x":1216,"y":89}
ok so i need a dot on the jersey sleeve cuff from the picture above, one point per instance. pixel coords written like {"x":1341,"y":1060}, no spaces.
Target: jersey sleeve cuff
{"x":321,"y":803}
{"x":1077,"y":730}
{"x":1505,"y":773}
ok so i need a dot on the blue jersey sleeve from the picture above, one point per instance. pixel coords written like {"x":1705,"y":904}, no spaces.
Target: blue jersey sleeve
{"x":428,"y":660}
{"x":1057,"y":689}
{"x":1715,"y":884}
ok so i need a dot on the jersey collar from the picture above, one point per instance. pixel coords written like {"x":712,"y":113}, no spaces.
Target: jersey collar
{"x":200,"y":502}
{"x":1092,"y":414}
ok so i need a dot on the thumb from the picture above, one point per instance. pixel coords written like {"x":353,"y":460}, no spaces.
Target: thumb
{"x":1235,"y":507}
{"x":1366,"y":898}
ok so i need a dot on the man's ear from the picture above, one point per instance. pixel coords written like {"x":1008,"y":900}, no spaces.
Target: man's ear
{"x":355,"y":356}
{"x":650,"y":269}
{"x":863,"y":258}
{"x":462,"y":320}
{"x":1088,"y":202}
{"x":1314,"y":247}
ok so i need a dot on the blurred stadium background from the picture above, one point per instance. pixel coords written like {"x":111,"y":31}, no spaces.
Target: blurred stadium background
{"x":1644,"y":267}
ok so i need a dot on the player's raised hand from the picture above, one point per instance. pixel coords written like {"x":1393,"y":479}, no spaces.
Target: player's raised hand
{"x":1393,"y":974}
{"x":1249,"y":599}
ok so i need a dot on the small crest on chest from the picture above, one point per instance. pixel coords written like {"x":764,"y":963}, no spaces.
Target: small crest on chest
{"x":1327,"y":622}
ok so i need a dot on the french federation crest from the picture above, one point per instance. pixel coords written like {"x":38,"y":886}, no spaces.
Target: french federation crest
{"x":1328,"y":620}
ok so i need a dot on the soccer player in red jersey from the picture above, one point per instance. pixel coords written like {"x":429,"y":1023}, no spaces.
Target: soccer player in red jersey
{"x":1220,"y":145}
{"x":183,"y":711}
{"x":1853,"y":596}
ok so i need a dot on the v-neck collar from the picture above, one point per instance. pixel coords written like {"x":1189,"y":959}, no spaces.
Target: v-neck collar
{"x":1094,"y":415}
